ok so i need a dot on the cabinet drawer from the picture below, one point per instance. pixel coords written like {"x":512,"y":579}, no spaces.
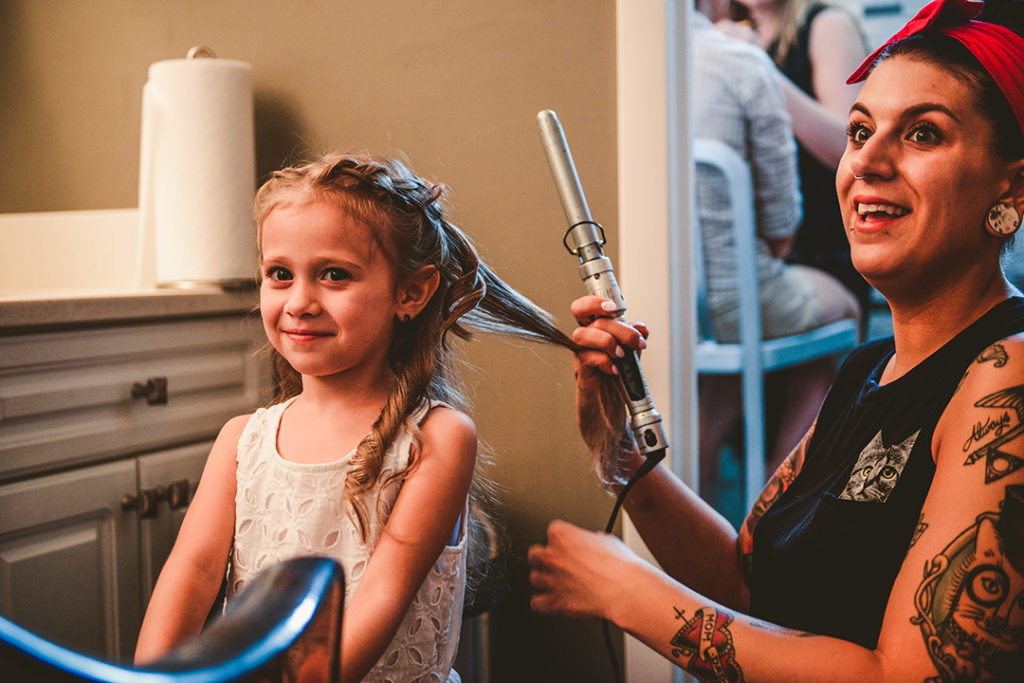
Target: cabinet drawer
{"x":68,"y":398}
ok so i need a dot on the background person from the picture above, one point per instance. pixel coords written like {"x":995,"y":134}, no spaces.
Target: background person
{"x":738,"y":102}
{"x":815,"y":44}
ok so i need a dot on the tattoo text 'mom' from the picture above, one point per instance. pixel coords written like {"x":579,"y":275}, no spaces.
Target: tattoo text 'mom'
{"x":705,"y":645}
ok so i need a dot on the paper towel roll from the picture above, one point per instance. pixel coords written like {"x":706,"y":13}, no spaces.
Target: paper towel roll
{"x":197,"y":172}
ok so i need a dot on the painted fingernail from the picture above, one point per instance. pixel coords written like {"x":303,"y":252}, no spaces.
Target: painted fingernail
{"x":608,"y":305}
{"x":619,"y":352}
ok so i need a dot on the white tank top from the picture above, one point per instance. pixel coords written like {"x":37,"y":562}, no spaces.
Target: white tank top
{"x":285,"y":509}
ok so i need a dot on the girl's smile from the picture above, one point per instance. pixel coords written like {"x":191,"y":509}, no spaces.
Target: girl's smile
{"x":301,"y":336}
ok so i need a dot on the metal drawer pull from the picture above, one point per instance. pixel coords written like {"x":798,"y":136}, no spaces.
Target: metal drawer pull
{"x":178,"y":493}
{"x":154,"y":390}
{"x":144,"y":504}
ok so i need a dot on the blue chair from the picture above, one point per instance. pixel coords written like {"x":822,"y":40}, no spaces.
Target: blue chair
{"x":752,"y":356}
{"x":268,"y":631}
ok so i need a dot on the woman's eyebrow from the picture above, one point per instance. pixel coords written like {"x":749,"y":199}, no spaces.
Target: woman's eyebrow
{"x":911,"y":112}
{"x":927,"y":108}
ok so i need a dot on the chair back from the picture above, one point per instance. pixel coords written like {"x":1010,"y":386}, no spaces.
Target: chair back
{"x":286,"y":621}
{"x":752,"y":356}
{"x":721,"y":159}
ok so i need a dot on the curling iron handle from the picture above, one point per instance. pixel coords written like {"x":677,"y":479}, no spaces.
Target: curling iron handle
{"x":645,"y":421}
{"x":632,"y":376}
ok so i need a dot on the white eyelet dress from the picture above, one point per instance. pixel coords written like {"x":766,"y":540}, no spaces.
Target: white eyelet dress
{"x":285,"y":509}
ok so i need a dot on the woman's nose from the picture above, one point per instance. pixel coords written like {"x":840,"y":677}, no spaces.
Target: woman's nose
{"x":874,"y":158}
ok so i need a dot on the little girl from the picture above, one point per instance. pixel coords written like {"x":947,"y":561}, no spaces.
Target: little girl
{"x":368,"y":457}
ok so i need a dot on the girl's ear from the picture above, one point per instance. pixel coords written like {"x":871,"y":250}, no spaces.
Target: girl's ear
{"x":413,"y":294}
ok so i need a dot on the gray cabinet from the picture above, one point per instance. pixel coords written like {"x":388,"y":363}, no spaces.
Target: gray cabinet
{"x":68,"y":557}
{"x":104,"y":431}
{"x":169,"y":478}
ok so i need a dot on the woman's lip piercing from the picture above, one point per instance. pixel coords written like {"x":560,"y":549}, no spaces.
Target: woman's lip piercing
{"x":859,"y":177}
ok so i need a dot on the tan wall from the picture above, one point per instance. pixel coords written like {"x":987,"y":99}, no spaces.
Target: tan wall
{"x":453,"y":84}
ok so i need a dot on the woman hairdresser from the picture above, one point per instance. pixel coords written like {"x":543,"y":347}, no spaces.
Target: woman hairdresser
{"x":890,"y":544}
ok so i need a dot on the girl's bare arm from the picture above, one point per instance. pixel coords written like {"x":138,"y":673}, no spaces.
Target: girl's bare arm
{"x":194,"y":570}
{"x":425,"y":513}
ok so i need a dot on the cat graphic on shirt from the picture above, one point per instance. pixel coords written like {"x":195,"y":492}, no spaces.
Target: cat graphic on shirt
{"x":878,"y":469}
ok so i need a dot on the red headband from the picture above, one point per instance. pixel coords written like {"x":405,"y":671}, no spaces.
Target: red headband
{"x":999,"y":50}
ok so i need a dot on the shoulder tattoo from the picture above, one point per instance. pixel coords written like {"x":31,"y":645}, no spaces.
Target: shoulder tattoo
{"x":999,"y":428}
{"x":995,"y":354}
{"x":921,"y":526}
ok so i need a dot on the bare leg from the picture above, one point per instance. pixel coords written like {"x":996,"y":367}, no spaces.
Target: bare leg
{"x":802,"y":394}
{"x":719,"y":406}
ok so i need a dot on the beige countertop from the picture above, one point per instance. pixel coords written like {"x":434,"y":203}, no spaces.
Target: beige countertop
{"x":27,"y":311}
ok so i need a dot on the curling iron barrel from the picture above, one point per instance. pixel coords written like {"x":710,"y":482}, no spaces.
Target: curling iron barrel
{"x":585,"y":239}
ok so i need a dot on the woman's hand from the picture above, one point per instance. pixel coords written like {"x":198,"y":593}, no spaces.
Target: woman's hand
{"x":578,"y":573}
{"x":603,"y":335}
{"x":602,"y":338}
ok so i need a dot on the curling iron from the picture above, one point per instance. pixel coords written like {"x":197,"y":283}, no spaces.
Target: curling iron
{"x":585,"y":239}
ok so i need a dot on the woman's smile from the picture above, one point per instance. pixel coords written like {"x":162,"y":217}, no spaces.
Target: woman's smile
{"x":874,"y":214}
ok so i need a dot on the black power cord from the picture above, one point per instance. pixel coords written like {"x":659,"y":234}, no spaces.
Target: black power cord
{"x":653,"y":458}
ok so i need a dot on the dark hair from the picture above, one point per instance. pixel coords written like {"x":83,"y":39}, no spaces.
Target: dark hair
{"x":952,"y":55}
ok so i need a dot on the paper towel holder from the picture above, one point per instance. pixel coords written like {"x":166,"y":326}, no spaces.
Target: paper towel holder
{"x":200,"y":52}
{"x":198,"y":267}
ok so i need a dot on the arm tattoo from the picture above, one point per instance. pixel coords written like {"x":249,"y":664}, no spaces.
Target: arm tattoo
{"x":773,"y":490}
{"x":970,"y":605}
{"x":921,"y":526}
{"x":705,"y":645}
{"x":998,"y":463}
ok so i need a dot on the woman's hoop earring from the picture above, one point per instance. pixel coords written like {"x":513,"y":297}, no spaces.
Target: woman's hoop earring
{"x":1002,"y":220}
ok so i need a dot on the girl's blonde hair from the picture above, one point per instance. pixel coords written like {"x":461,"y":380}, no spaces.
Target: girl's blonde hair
{"x":406,"y":218}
